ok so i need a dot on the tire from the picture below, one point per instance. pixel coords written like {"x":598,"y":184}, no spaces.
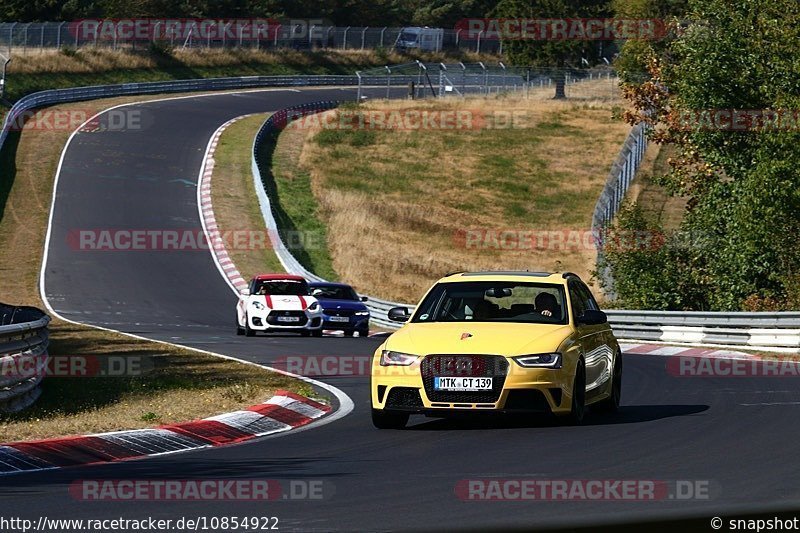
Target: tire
{"x":247,"y":331}
{"x":611,"y":404}
{"x":305,"y":333}
{"x":316,"y":333}
{"x":388,"y":420}
{"x":239,"y":329}
{"x":578,"y":404}
{"x":363,"y":333}
{"x":349,"y":333}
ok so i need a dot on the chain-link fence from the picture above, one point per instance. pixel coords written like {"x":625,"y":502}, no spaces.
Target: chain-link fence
{"x":461,"y":79}
{"x":20,"y":37}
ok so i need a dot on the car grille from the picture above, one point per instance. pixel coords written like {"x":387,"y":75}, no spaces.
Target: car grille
{"x":273,"y":318}
{"x":494,"y":366}
{"x":339,"y":312}
{"x":404,"y":398}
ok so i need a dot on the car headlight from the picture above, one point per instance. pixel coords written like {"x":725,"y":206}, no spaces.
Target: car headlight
{"x":259,"y":306}
{"x":390,"y":358}
{"x":314,"y":307}
{"x":362,"y":313}
{"x":539,"y":360}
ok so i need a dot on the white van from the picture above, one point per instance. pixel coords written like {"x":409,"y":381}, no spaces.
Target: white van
{"x":416,"y":38}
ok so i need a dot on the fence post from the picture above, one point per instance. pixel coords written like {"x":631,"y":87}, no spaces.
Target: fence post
{"x":58,"y":37}
{"x":358,"y":95}
{"x":458,"y":38}
{"x":502,"y":66}
{"x":383,"y":31}
{"x":25,"y":36}
{"x":344,"y":38}
{"x":478,"y":48}
{"x":277,"y":31}
{"x":388,"y":81}
{"x":364,"y":37}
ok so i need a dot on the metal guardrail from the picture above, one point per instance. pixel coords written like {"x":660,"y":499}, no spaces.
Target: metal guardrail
{"x":23,"y":356}
{"x":767,"y":331}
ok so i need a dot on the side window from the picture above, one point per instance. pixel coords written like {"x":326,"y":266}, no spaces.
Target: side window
{"x":253,"y":286}
{"x":577,"y":300}
{"x":591,"y":303}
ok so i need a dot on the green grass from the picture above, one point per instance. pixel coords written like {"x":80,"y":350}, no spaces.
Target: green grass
{"x":297,"y":211}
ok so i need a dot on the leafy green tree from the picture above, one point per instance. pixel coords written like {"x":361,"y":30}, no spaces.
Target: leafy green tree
{"x":557,"y":54}
{"x":741,"y":186}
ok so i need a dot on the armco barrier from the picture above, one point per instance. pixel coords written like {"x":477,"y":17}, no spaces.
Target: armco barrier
{"x":262,"y":176}
{"x":767,"y":331}
{"x":23,"y":355}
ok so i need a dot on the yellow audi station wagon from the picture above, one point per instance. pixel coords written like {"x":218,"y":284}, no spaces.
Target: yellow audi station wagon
{"x":510,"y":342}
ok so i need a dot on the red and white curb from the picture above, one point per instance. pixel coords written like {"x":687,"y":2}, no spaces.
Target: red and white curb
{"x":216,"y":243}
{"x":283,"y":412}
{"x":684,"y":351}
{"x":220,"y":253}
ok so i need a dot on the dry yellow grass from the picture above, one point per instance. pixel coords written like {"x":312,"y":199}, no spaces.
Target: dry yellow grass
{"x":234,"y":197}
{"x":397,"y":202}
{"x":186,"y":385}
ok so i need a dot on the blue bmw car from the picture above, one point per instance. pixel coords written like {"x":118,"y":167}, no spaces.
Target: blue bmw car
{"x":342,"y":309}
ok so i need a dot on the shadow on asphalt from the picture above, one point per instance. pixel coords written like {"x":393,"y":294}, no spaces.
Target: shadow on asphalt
{"x":627,"y":414}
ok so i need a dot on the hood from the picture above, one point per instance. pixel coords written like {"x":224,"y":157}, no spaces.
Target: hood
{"x":350,"y":305}
{"x":486,"y":338}
{"x":284,"y":302}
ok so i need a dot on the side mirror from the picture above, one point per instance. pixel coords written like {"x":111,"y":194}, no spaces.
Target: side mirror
{"x":364,"y":299}
{"x":316,"y":292}
{"x":592,"y":317}
{"x":245,"y":292}
{"x":399,"y":314}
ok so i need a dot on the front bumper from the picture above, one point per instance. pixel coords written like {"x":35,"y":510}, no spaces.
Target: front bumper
{"x":268,"y":321}
{"x":534,"y":390}
{"x":354,"y":323}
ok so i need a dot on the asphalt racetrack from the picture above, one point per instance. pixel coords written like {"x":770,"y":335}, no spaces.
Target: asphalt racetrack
{"x":738,"y":437}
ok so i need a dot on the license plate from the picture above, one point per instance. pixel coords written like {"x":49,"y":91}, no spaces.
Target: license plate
{"x":339,"y":319}
{"x":288,"y":319}
{"x":462,"y":384}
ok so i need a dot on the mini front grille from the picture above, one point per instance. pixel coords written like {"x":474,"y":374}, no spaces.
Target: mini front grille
{"x":274,"y":318}
{"x":494,"y":366}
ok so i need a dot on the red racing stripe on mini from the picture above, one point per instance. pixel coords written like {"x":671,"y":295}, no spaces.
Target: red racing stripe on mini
{"x":303,"y":303}
{"x":268,"y":301}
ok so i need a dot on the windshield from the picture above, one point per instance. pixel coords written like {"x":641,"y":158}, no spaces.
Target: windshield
{"x":282,"y":287}
{"x":408,"y":37}
{"x":489,"y":301}
{"x":334,"y":292}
